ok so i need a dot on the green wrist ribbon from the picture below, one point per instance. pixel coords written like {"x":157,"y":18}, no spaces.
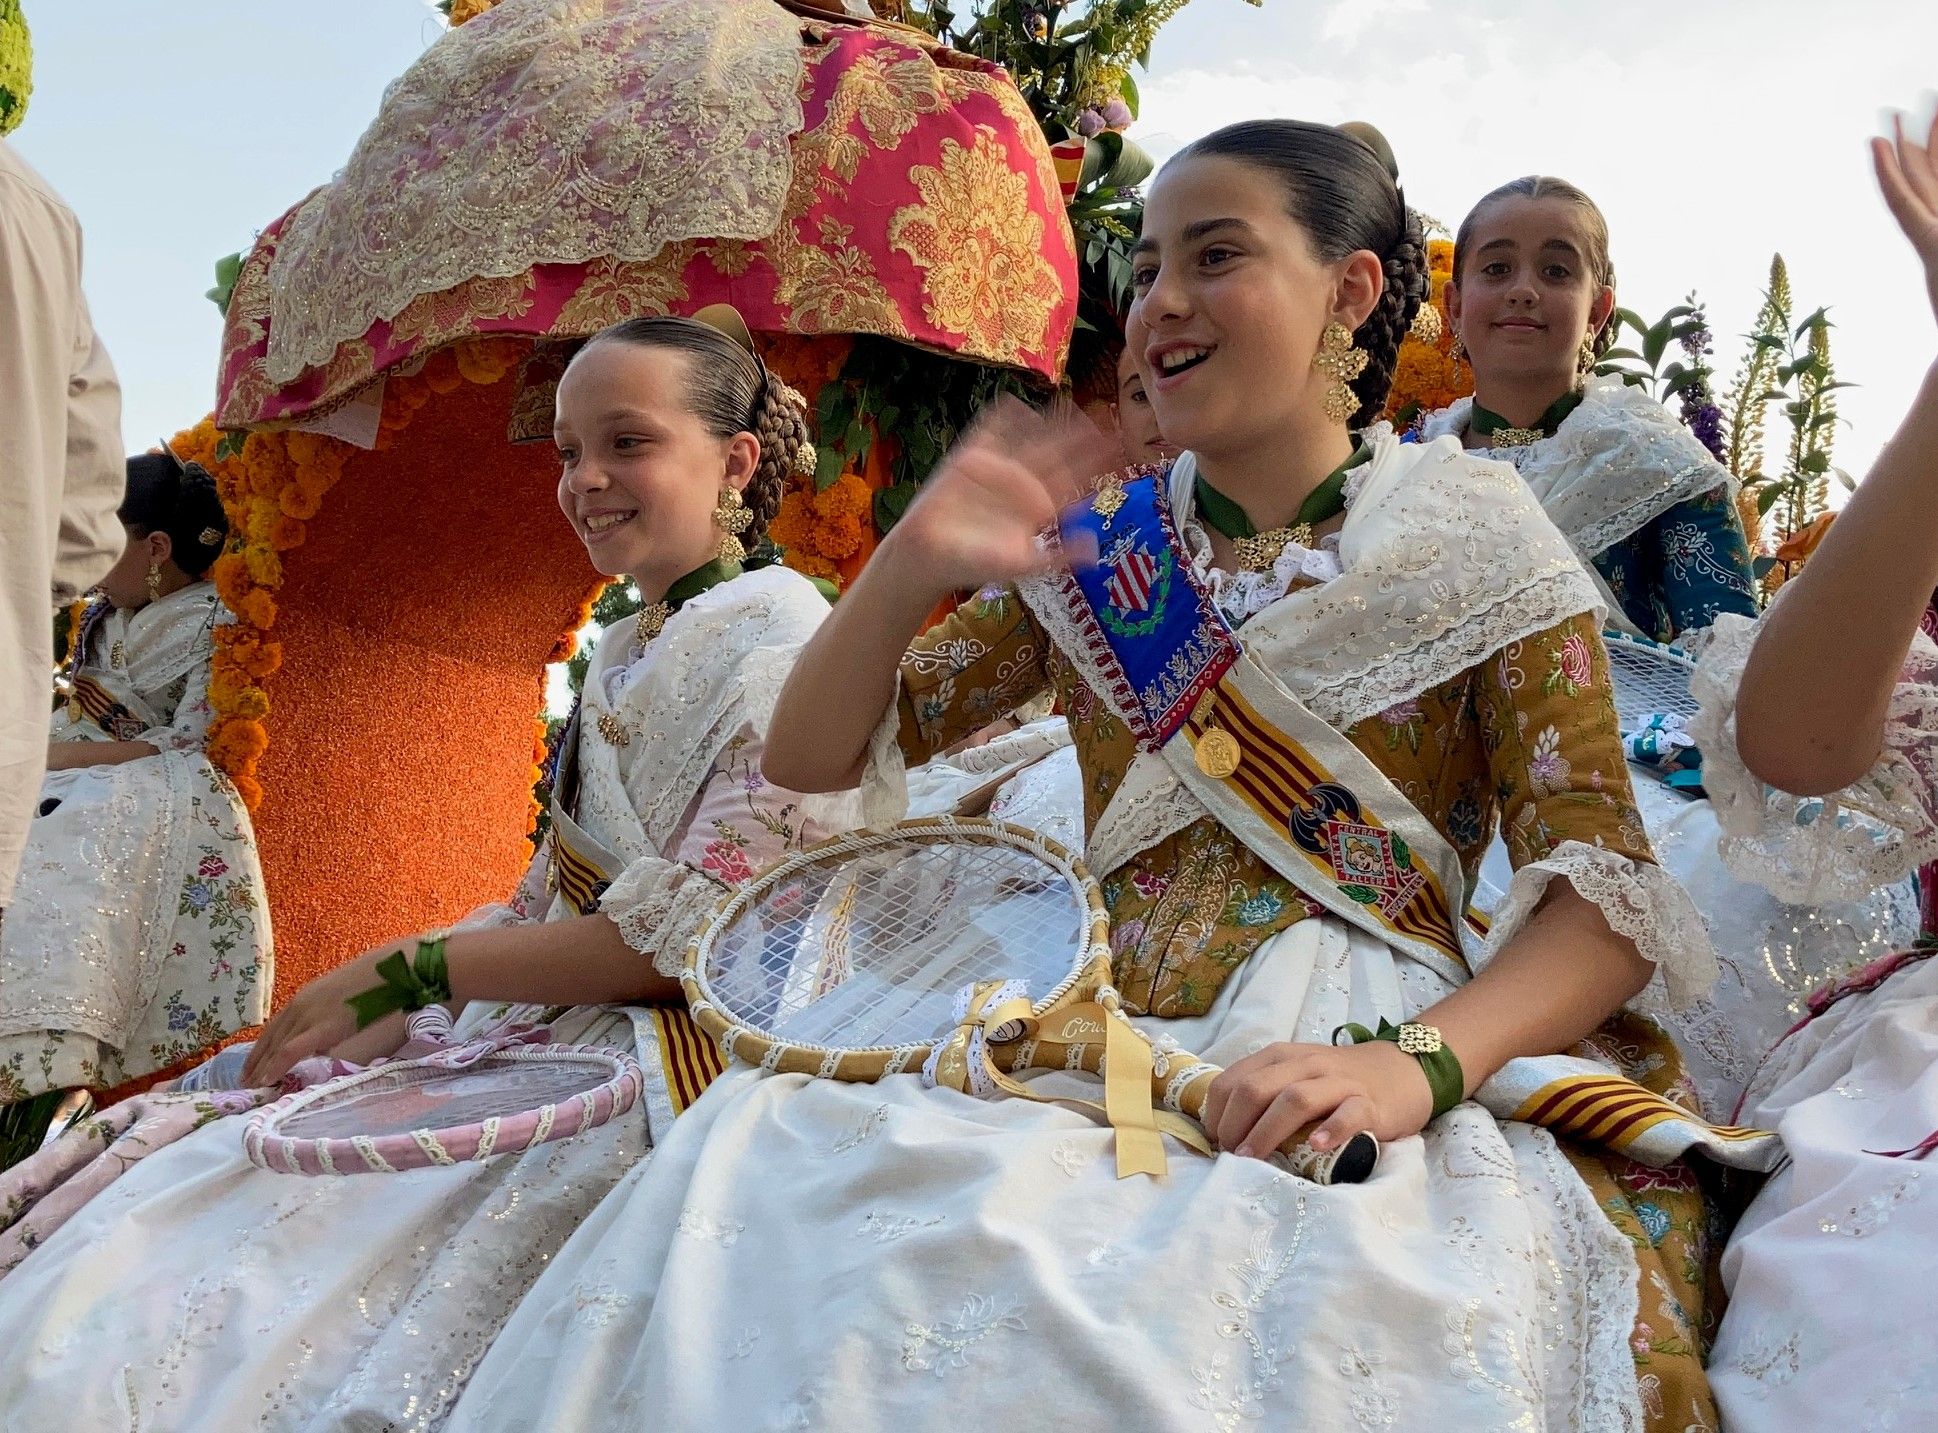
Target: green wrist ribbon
{"x":1440,"y":1065}
{"x":407,"y":984}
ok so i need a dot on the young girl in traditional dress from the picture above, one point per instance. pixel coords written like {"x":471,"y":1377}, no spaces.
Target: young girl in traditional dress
{"x":1403,"y":650}
{"x":201,"y":1291}
{"x":1533,"y":306}
{"x":138,"y":935}
{"x":1645,"y":503}
{"x":1829,"y":1271}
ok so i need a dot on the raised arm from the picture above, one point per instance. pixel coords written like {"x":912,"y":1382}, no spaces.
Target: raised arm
{"x":1817,"y":687}
{"x":977,"y":522}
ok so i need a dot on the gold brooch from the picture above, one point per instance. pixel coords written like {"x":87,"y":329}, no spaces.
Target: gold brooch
{"x":1514,"y":437}
{"x":614,"y":730}
{"x":1258,"y":552}
{"x":1108,"y":499}
{"x":652,"y":621}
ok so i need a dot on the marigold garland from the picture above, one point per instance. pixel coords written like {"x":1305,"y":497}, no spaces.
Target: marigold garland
{"x":270,"y":488}
{"x":817,"y":530}
{"x":1426,"y":378}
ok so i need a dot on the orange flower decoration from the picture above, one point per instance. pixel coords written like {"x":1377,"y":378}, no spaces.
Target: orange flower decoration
{"x":1426,"y":377}
{"x":273,"y":486}
{"x":817,"y":530}
{"x":1800,"y":544}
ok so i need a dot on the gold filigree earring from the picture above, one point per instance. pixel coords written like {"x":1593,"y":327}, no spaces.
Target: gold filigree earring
{"x":1457,"y":351}
{"x":1427,"y":324}
{"x":1341,"y":361}
{"x":1585,"y":355}
{"x":730,"y":515}
{"x":154,"y":582}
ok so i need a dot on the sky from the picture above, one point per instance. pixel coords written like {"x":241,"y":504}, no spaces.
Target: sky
{"x":1712,"y":132}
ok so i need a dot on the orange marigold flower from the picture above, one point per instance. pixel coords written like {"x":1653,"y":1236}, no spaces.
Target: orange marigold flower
{"x":839,"y":536}
{"x":258,"y":609}
{"x":300,"y":503}
{"x":252,"y":704}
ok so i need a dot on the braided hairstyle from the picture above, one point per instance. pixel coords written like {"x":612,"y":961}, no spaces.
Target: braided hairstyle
{"x":167,"y":495}
{"x":1593,"y":222}
{"x":1341,"y":191}
{"x":730,"y":391}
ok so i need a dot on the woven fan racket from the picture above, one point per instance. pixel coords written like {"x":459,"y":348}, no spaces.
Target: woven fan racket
{"x":462,"y":1102}
{"x":1649,"y":678}
{"x":965,"y":949}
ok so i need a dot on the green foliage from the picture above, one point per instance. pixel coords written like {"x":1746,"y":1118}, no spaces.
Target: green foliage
{"x":1746,"y":407}
{"x":1642,"y":365}
{"x":922,"y":399}
{"x":228,"y":269}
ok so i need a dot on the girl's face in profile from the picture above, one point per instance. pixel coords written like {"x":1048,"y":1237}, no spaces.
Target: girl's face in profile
{"x":1136,"y":420}
{"x":639,"y":474}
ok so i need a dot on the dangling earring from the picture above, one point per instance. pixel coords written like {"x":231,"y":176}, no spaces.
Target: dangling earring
{"x":1342,"y":362}
{"x":730,"y":515}
{"x":1457,"y":351}
{"x":154,"y":582}
{"x":1585,"y":355}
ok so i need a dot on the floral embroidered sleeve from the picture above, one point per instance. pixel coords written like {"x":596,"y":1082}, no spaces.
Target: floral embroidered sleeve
{"x":983,"y":661}
{"x":737,"y":824}
{"x":1705,"y":562}
{"x":1547,"y":712}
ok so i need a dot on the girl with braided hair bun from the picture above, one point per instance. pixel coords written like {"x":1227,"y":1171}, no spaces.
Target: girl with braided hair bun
{"x":1532,"y":304}
{"x":1652,"y":514}
{"x":673,"y":444}
{"x":139,"y":933}
{"x":1307,"y":670}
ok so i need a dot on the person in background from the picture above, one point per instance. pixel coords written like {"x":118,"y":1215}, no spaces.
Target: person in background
{"x":60,"y":473}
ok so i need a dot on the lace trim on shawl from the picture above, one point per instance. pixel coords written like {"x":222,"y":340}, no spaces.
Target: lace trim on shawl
{"x":1807,"y":850}
{"x":719,"y":665}
{"x":1639,"y":900}
{"x":1618,"y":462}
{"x":556,"y":131}
{"x":1149,"y":806}
{"x":659,"y":907}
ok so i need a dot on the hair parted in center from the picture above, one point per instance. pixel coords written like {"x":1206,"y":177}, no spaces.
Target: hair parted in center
{"x":1601,"y":267}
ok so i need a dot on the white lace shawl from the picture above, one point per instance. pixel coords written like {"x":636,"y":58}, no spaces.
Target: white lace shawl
{"x":715,"y":671}
{"x":1840,"y":847}
{"x":137,"y":657}
{"x":1616,"y":463}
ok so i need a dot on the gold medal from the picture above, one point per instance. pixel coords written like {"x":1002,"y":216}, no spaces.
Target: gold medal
{"x":1217,"y":754}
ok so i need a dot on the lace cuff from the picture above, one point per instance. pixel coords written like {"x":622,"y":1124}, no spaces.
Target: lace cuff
{"x":884,"y":780}
{"x":1638,"y":900}
{"x":659,"y":906}
{"x":1808,"y":850}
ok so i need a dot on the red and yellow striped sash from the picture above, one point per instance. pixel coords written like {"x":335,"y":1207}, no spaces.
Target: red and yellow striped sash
{"x":1273,"y":778}
{"x":689,"y":1060}
{"x":1613,"y":1111}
